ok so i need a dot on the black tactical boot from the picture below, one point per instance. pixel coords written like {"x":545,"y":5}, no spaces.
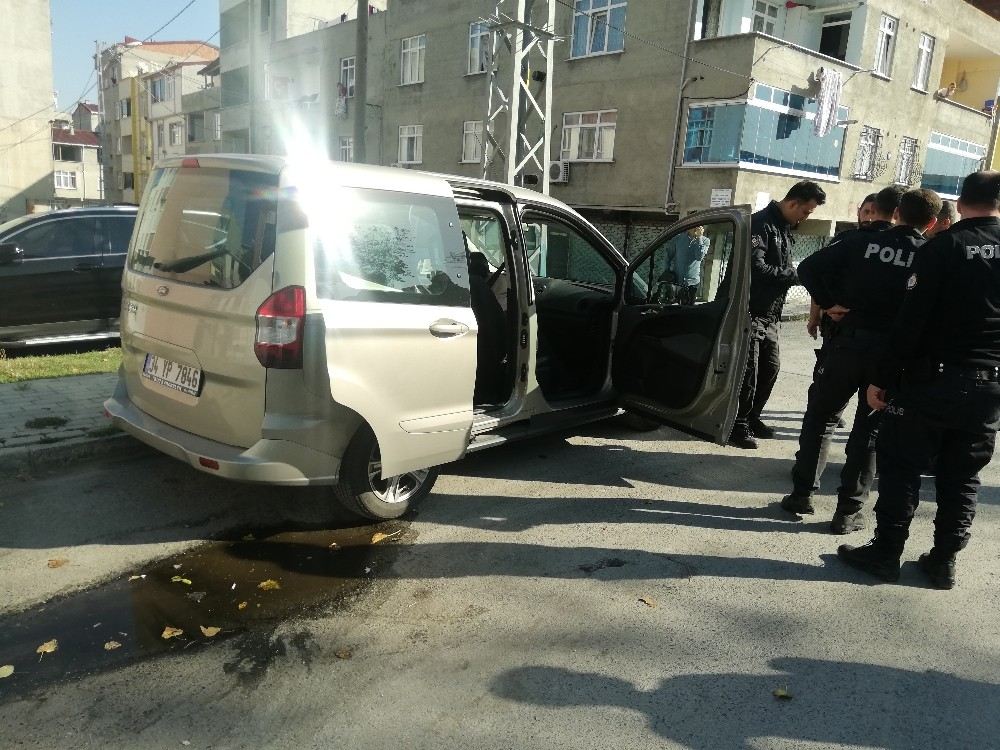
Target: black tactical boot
{"x":876,"y":557}
{"x":939,"y":569}
{"x":799,"y":505}
{"x":761,"y":430}
{"x":845,"y":523}
{"x":741,"y":437}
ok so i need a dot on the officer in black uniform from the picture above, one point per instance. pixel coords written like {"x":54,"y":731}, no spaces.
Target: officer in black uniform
{"x":771,"y":275}
{"x":860,"y":280}
{"x":940,"y":372}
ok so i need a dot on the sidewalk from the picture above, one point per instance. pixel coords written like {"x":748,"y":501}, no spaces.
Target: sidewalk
{"x":56,"y":419}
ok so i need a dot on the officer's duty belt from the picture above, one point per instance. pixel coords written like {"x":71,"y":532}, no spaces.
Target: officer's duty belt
{"x":991,"y":374}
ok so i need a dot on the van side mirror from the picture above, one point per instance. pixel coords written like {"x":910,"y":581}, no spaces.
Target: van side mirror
{"x":10,"y":254}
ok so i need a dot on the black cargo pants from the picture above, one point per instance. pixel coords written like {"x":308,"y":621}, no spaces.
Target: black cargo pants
{"x":952,"y":415}
{"x":844,"y":370}
{"x":763,"y":365}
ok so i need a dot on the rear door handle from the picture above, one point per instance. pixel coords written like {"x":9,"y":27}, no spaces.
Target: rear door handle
{"x":444,"y":329}
{"x":82,"y":267}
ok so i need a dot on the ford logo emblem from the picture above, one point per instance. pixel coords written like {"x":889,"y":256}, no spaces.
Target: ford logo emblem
{"x":162,"y":290}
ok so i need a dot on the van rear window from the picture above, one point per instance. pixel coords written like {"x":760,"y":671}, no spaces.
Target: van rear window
{"x":207,"y":226}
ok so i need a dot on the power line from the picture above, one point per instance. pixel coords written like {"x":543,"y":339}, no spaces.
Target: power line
{"x":174,"y":18}
{"x":47,"y":125}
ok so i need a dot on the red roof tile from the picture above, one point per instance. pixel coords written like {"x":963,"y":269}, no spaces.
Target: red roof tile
{"x":76,"y":138}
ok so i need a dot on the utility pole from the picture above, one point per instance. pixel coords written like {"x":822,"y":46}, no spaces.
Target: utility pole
{"x":528,"y":107}
{"x":361,"y":83}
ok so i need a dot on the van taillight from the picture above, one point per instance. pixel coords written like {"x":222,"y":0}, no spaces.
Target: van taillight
{"x":280,"y":320}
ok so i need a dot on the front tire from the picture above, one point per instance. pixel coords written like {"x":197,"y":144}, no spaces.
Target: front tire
{"x":364,"y":492}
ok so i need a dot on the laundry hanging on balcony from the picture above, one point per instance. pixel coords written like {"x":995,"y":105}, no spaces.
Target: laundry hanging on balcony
{"x":830,"y":85}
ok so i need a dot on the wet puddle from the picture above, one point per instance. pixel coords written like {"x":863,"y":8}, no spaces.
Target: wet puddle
{"x":203,"y":596}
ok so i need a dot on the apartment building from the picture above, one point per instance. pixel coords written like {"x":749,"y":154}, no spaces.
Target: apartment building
{"x":26,"y":107}
{"x":86,"y":116}
{"x":659,"y":108}
{"x":282,"y":64}
{"x":126,"y":70}
{"x":203,"y":113}
{"x":76,"y":167}
{"x":174,"y":128}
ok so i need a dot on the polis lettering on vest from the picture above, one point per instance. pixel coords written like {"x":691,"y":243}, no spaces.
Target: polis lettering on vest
{"x":890,"y":255}
{"x":983,"y":251}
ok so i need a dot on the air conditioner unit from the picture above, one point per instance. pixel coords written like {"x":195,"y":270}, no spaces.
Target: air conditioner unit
{"x":559,"y":171}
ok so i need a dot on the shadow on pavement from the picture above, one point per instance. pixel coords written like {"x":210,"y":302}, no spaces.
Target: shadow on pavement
{"x":834,"y":703}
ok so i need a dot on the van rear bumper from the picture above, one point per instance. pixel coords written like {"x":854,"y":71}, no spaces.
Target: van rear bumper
{"x":278,"y":462}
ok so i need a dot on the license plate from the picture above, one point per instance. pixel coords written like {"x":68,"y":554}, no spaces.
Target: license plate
{"x":183,"y":378}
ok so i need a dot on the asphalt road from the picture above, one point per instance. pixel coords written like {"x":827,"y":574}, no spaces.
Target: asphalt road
{"x":605,"y":590}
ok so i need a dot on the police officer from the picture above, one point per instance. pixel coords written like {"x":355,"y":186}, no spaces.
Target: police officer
{"x":771,"y":275}
{"x":875,"y":214}
{"x":860,"y":280}
{"x":941,"y":374}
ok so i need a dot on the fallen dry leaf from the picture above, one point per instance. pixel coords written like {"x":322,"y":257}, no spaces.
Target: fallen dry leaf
{"x":169,"y":632}
{"x":269,"y":585}
{"x":209,"y":631}
{"x":241,"y":605}
{"x":136,"y":578}
{"x":782,"y":694}
{"x":180,"y":579}
{"x":57,"y":562}
{"x":6,"y":671}
{"x":648,"y":601}
{"x":344,"y":653}
{"x":112,"y":645}
{"x":48,"y":647}
{"x":378,"y":536}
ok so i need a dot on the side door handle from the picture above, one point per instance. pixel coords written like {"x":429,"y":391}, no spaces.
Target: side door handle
{"x":85,"y":267}
{"x":444,"y":328}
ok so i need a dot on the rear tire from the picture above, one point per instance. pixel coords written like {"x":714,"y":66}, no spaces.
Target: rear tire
{"x":639,"y":423}
{"x":362,"y":490}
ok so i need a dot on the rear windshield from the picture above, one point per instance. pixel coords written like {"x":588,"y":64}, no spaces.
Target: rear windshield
{"x":205,"y":226}
{"x":382,"y":246}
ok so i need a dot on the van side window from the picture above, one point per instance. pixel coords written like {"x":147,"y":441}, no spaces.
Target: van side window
{"x":378,"y":246}
{"x":62,"y":238}
{"x":557,"y":251}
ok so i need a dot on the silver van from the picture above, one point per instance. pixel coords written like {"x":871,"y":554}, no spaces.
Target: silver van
{"x":357,"y":326}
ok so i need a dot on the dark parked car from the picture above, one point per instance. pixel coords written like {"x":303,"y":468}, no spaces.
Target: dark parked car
{"x":60,"y":275}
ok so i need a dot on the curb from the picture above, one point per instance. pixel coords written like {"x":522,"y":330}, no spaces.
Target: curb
{"x":39,"y":457}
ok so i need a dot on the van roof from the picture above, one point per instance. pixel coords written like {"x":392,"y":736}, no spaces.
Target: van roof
{"x":369,"y":176}
{"x":333,"y":173}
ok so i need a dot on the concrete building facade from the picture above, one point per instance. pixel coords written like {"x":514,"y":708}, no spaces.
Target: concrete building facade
{"x":77,"y":176}
{"x":125,"y":72}
{"x":26,"y":107}
{"x":86,"y":116}
{"x":658,"y":108}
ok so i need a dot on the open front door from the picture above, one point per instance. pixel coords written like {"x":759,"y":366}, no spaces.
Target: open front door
{"x":683,"y":325}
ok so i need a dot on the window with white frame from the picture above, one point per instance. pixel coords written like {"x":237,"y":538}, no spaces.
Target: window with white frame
{"x":124,"y":108}
{"x":218,"y":126}
{"x":925,"y":56}
{"x":885,"y":47}
{"x":479,"y":46}
{"x":948,"y":161}
{"x":161,"y":89}
{"x":765,"y":17}
{"x":161,"y":140}
{"x":348,"y":71}
{"x":598,"y":27}
{"x":411,"y":59}
{"x":411,"y":144}
{"x":589,"y":136}
{"x":906,"y":160}
{"x":175,"y":134}
{"x":65,"y":180}
{"x":867,"y":156}
{"x":472,"y":141}
{"x":346,"y":148}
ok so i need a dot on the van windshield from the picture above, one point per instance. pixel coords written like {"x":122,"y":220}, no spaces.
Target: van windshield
{"x":208,"y":226}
